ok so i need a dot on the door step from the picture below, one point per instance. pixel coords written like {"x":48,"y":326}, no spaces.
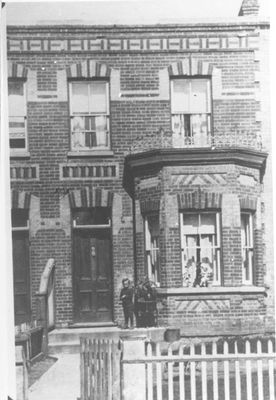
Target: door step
{"x":91,"y":324}
{"x":67,"y":340}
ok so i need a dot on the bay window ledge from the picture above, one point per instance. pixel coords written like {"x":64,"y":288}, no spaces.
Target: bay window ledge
{"x":211,"y":290}
{"x":91,"y":153}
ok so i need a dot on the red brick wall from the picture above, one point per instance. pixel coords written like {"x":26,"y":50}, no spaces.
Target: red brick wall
{"x":132,"y":118}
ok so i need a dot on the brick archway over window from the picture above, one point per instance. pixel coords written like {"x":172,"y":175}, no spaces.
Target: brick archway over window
{"x":88,"y":69}
{"x":190,"y":67}
{"x":248,"y":203}
{"x":199,"y":200}
{"x":149,"y":205}
{"x":90,"y":197}
{"x":20,"y":199}
{"x":17,"y":71}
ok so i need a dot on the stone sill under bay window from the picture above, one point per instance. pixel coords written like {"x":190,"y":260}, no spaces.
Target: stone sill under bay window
{"x":212,"y":290}
{"x":91,"y":153}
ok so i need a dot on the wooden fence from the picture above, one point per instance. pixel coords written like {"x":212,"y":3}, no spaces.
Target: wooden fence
{"x":99,"y":369}
{"x":207,"y":371}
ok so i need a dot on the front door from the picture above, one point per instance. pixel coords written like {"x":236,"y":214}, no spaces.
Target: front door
{"x":92,"y":275}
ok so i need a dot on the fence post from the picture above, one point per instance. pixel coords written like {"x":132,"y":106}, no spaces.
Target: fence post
{"x":133,"y":375}
{"x":21,"y":374}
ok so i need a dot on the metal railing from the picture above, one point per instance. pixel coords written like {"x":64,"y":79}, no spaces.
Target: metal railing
{"x":173,"y":140}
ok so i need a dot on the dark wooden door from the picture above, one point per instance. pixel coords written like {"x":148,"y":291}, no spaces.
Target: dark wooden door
{"x":92,"y":275}
{"x":21,"y":276}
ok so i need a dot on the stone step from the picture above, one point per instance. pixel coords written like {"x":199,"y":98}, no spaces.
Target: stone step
{"x":72,"y":347}
{"x":67,"y":340}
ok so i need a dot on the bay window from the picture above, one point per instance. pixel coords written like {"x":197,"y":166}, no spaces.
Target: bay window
{"x":247,"y":248}
{"x":152,"y":247}
{"x":17,"y":114}
{"x":191,"y":112}
{"x":89,"y":114}
{"x":200,"y":246}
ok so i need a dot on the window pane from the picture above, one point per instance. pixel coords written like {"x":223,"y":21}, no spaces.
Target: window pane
{"x":190,"y":223}
{"x":207,"y":223}
{"x":245,"y":229}
{"x":16,"y":99}
{"x":199,"y":101}
{"x":98,"y":100}
{"x":199,"y":129}
{"x":101,"y":131}
{"x":152,"y":246}
{"x":180,"y":93}
{"x":79,"y":101}
{"x":200,"y":251}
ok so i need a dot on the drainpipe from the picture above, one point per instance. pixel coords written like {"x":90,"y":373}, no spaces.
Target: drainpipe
{"x":134,"y":239}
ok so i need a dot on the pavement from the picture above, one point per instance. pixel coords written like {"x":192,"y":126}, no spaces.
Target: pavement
{"x":60,"y":382}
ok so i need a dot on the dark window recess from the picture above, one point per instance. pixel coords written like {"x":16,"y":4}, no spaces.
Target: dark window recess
{"x":19,"y":218}
{"x":17,"y":143}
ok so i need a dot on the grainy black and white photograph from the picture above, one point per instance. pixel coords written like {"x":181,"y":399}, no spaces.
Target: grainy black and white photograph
{"x":137,"y":200}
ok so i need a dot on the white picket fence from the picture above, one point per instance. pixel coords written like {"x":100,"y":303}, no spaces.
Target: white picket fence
{"x":209,"y":371}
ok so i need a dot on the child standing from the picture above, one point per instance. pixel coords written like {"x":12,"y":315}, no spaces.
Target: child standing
{"x":126,"y":296}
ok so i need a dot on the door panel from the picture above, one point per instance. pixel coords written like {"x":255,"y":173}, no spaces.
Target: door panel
{"x":22,"y":309}
{"x":92,"y":275}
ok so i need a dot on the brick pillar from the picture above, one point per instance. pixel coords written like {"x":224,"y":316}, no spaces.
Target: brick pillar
{"x":140,"y":242}
{"x":133,"y":375}
{"x":170,"y":241}
{"x":231,"y":240}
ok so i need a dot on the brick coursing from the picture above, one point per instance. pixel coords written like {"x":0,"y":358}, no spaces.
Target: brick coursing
{"x":139,"y":110}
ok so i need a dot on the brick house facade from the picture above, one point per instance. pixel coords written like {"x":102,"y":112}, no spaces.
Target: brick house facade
{"x":144,"y":150}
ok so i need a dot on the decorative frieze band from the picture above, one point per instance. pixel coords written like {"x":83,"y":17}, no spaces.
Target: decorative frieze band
{"x":134,"y":44}
{"x":23,"y":172}
{"x":88,"y":171}
{"x":199,"y":179}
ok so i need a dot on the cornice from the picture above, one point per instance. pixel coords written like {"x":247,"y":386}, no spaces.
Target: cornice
{"x":237,"y":24}
{"x":157,"y":158}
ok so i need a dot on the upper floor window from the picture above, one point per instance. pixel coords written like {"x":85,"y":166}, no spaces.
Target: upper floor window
{"x":17,"y":114}
{"x":152,"y":247}
{"x":191,"y":112}
{"x":200,"y":242}
{"x":247,"y":247}
{"x":89,"y":113}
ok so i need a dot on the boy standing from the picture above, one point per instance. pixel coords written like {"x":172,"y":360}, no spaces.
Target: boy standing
{"x":126,"y":296}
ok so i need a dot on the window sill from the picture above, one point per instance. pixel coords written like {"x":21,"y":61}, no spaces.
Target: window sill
{"x":90,"y":153}
{"x":212,"y":290}
{"x":19,"y":154}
